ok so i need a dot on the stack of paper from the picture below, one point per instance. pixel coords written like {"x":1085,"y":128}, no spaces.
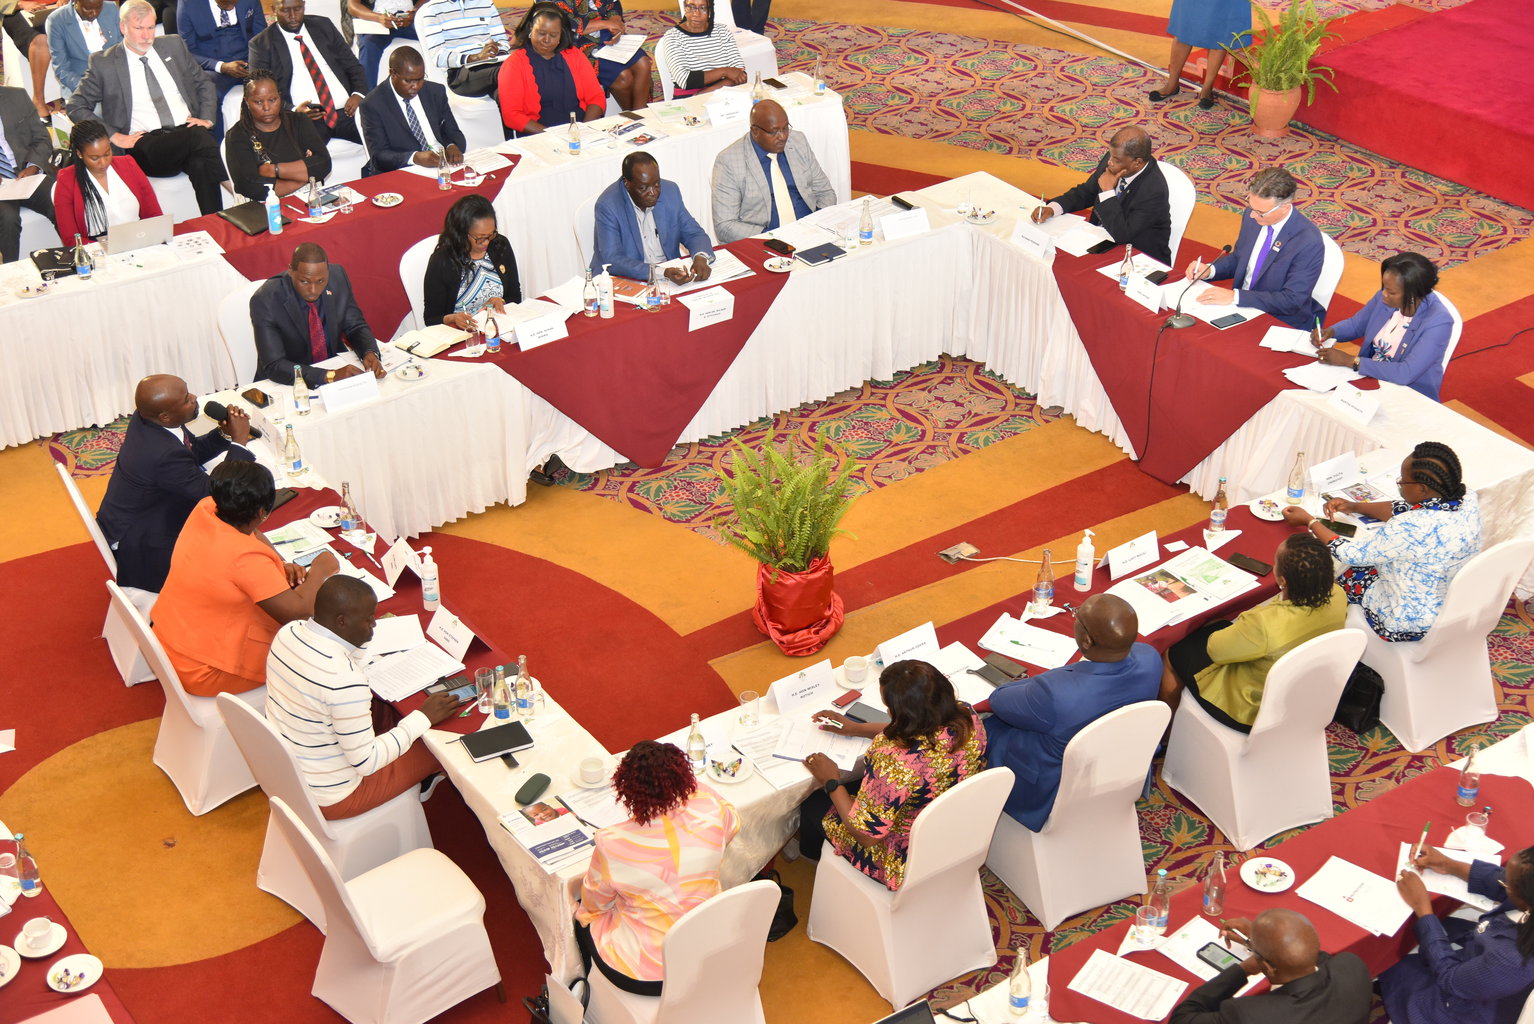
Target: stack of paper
{"x":960,"y":664}
{"x":297,"y":538}
{"x":1143,"y":266}
{"x":1173,"y":290}
{"x":1074,"y":234}
{"x":553,"y":844}
{"x":1192,"y":581}
{"x":1320,"y":376}
{"x":1447,"y":885}
{"x":619,"y":52}
{"x":598,"y":808}
{"x":760,"y":745}
{"x":1288,"y":339}
{"x":1128,"y":986}
{"x":397,"y":676}
{"x":802,"y":737}
{"x":393,"y":633}
{"x":1024,"y":642}
{"x":1353,"y":894}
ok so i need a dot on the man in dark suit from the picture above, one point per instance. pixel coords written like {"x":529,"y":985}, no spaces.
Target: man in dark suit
{"x":1309,"y":986}
{"x":159,"y":477}
{"x":157,"y":104}
{"x":306,"y":315}
{"x":1127,"y":195}
{"x":1278,"y":256}
{"x":77,"y":30}
{"x":317,"y":74}
{"x":218,"y":35}
{"x":407,"y":117}
{"x":1033,"y":720}
{"x":24,"y":153}
{"x":641,"y":221}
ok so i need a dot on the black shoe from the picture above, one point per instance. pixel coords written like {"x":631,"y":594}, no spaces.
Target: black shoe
{"x":1206,"y":103}
{"x":544,"y":475}
{"x":1159,"y":97}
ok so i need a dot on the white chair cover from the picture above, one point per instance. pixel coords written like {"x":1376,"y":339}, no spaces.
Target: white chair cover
{"x":478,"y":117}
{"x":1279,"y":776}
{"x":1455,"y":331}
{"x":239,"y":334}
{"x":1182,"y":197}
{"x":1088,"y":853}
{"x":663,"y":68}
{"x":1331,"y":272}
{"x":412,"y":274}
{"x":586,"y":229}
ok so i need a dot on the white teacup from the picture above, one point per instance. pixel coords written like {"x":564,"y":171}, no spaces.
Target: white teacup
{"x":591,"y":770}
{"x":37,"y":933}
{"x":855,"y":669}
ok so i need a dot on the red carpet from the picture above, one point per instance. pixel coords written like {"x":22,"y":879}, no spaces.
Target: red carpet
{"x":1451,"y":94}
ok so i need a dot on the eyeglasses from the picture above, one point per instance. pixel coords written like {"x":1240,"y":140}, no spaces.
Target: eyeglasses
{"x":699,"y":8}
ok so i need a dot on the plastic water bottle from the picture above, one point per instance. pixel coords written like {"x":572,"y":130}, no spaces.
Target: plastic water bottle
{"x":292,"y":458}
{"x":820,"y":78}
{"x":300,"y":391}
{"x":314,"y":199}
{"x":1214,"y":886}
{"x":1126,"y":268}
{"x":1019,"y":987}
{"x":500,"y":695}
{"x":1469,"y":783}
{"x":1219,"y":509}
{"x":85,"y":263}
{"x":697,"y":747}
{"x":350,"y":520}
{"x":1044,"y":584}
{"x":866,"y":224}
{"x":1086,"y":561}
{"x":523,"y":690}
{"x":273,"y":211}
{"x":26,"y":867}
{"x":431,"y":591}
{"x":1160,"y":901}
{"x":1296,"y":488}
{"x":573,"y":140}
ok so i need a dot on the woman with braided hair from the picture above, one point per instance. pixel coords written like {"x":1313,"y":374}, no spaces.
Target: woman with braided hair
{"x":1400,"y":572}
{"x":1224,"y":665}
{"x":98,"y":189}
{"x":270,"y":145}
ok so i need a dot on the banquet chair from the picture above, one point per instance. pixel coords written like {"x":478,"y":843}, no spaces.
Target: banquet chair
{"x":663,"y":69}
{"x":1253,"y":786}
{"x":1182,"y":197}
{"x":407,"y":939}
{"x":713,"y":957}
{"x":177,"y":197}
{"x":934,"y":927}
{"x":1455,"y":331}
{"x":478,"y":117}
{"x":412,"y":274}
{"x":564,"y":1006}
{"x":354,"y":845}
{"x":115,"y":631}
{"x":193,"y":747}
{"x":1088,"y":853}
{"x":1331,"y":271}
{"x":757,"y":53}
{"x":235,"y":328}
{"x":585,"y":225}
{"x":1442,"y":683}
{"x":38,"y":232}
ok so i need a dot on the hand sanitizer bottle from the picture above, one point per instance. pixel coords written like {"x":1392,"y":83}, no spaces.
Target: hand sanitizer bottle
{"x":605,"y":292}
{"x":431,"y":591}
{"x":1086,"y":561}
{"x":273,"y":211}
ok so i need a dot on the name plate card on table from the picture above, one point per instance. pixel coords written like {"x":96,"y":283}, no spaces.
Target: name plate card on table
{"x":1357,"y":405}
{"x":920,"y":642}
{"x":729,"y":108}
{"x":906,"y":224}
{"x":541,"y":330}
{"x":1131,"y":555}
{"x":354,"y":390}
{"x":711,"y":306}
{"x":398,"y":558}
{"x":1144,"y":292}
{"x":813,"y":685}
{"x":1033,"y":240}
{"x":450,"y":633}
{"x":1333,"y":473}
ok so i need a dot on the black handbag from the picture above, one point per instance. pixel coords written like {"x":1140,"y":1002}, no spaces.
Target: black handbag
{"x":784,"y":920}
{"x":1359,"y":707}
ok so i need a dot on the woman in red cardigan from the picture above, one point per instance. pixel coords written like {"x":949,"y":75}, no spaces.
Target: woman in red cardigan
{"x":99,"y":190}
{"x":547,"y":79}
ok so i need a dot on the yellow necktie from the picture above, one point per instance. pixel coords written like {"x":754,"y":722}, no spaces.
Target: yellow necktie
{"x":780,"y":196}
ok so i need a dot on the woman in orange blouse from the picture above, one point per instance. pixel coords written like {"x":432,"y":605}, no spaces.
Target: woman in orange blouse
{"x":228,"y":589}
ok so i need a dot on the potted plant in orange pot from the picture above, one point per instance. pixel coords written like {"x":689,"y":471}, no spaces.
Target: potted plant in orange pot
{"x":1278,"y":62}
{"x":785,"y":512}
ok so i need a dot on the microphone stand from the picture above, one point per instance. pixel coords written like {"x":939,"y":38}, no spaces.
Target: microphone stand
{"x":1179,"y":318}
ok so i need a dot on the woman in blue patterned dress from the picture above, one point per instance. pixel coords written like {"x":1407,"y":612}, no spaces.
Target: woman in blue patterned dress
{"x":1206,"y":25}
{"x":471,"y":268}
{"x":1400,"y":571}
{"x":597,"y":23}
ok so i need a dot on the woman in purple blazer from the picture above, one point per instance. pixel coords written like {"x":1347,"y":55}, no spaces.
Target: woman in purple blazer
{"x":1405,"y":328}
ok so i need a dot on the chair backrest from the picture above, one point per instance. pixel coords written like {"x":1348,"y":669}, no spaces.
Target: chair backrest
{"x":329,"y":9}
{"x":231,"y":108}
{"x":1108,"y":759}
{"x":1455,"y":331}
{"x":1331,"y":271}
{"x":586,"y":228}
{"x":239,"y":335}
{"x":1303,"y":687}
{"x":1479,"y":591}
{"x":433,"y":73}
{"x":1182,"y":197}
{"x":663,"y":68}
{"x":327,"y":882}
{"x":412,"y":274}
{"x":270,"y":761}
{"x":724,"y":14}
{"x":564,"y":1006}
{"x":91,"y":527}
{"x":714,"y":953}
{"x":149,"y":646}
{"x":953,"y":832}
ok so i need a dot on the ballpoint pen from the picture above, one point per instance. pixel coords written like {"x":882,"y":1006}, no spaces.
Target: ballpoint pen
{"x":1418,"y":851}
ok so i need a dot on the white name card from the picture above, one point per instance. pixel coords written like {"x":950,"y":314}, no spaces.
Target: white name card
{"x":1333,"y":473}
{"x":920,"y":642}
{"x":1131,"y":555}
{"x":450,"y":633}
{"x":730,"y":108}
{"x":353,"y":390}
{"x":541,"y":330}
{"x":1143,"y":292}
{"x":905,"y":224}
{"x":398,"y":558}
{"x":1032,"y":239}
{"x":709,"y":306}
{"x":1358,"y":405}
{"x":813,"y":685}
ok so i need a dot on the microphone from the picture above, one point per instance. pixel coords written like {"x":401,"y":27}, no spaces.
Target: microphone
{"x":1179,"y":318}
{"x":218,"y":413}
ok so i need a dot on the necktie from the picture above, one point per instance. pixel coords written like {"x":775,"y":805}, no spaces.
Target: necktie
{"x":1122,"y":186}
{"x":223,"y":18}
{"x":186,"y":438}
{"x":780,"y":196}
{"x":1262,"y":254}
{"x":156,"y":95}
{"x":7,"y":162}
{"x":320,"y":88}
{"x":415,"y":128}
{"x":318,"y":350}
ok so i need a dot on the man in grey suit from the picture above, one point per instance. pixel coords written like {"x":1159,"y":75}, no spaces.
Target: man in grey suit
{"x":24,"y":152}
{"x":767,"y":179}
{"x":157,"y":104}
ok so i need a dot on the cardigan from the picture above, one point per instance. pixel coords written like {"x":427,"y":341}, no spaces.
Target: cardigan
{"x":69,"y":203}
{"x":520,"y":100}
{"x":440,"y":289}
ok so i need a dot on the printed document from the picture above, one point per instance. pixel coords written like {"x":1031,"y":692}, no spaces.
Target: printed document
{"x":396,"y":676}
{"x":1447,"y":885}
{"x":1128,"y":986}
{"x":1368,"y":900}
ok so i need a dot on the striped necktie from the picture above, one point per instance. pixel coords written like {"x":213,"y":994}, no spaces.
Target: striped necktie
{"x":321,"y":89}
{"x":415,"y":128}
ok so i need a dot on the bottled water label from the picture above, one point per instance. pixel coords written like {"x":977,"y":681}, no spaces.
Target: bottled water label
{"x":1294,"y":493}
{"x":575,"y":146}
{"x":866,"y":236}
{"x":1017,"y":1003}
{"x":1467,"y":794}
{"x":502,"y":711}
{"x":296,"y":466}
{"x":84,"y":270}
{"x":1217,"y":519}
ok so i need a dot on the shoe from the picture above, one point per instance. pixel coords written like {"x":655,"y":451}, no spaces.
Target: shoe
{"x":1206,"y":103}
{"x":1158,"y":97}
{"x":429,"y":785}
{"x":544,"y":476}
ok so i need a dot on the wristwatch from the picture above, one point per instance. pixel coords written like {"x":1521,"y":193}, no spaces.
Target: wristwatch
{"x":330,"y":376}
{"x":1355,"y":362}
{"x":832,"y":786}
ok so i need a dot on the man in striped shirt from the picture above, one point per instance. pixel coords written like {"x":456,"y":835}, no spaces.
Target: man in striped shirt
{"x":319,"y":701}
{"x":467,"y":39}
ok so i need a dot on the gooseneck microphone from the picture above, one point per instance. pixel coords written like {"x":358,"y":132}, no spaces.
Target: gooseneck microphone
{"x":218,"y":413}
{"x":1179,"y":318}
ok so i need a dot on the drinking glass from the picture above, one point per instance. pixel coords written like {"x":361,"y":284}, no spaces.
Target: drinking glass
{"x":484,"y":682}
{"x":1147,"y":926}
{"x":1478,"y":820}
{"x":750,"y":708}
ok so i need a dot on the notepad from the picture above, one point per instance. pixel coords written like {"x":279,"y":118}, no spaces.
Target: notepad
{"x":497,"y":740}
{"x":821,"y":254}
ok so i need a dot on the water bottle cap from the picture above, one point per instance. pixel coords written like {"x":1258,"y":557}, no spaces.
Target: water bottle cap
{"x":19,"y":837}
{"x":1161,"y":872}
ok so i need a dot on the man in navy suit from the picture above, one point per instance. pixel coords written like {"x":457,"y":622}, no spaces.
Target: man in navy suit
{"x":159,"y":477}
{"x":1032,"y":720}
{"x":77,"y":30}
{"x":1277,"y":260}
{"x":1127,"y":194}
{"x":406,"y":118}
{"x":218,"y":35}
{"x":304,"y":316}
{"x":640,"y":221}
{"x":329,"y":92}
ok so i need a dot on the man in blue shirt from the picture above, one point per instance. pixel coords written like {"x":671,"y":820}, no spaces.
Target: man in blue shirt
{"x":1032,"y":720}
{"x":768,"y":179}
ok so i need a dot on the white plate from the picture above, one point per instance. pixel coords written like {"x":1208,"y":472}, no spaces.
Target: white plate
{"x":55,"y":942}
{"x":981,"y":217}
{"x":80,"y":963}
{"x":388,"y":199}
{"x":10,"y":963}
{"x":410,"y":372}
{"x":1267,"y":508}
{"x":745,"y":772}
{"x":779,"y":264}
{"x":327,"y":518}
{"x":1271,"y":880}
{"x":31,"y":291}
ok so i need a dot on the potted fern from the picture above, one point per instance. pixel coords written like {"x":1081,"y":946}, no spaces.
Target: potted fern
{"x":784,"y":513}
{"x":1279,"y":64}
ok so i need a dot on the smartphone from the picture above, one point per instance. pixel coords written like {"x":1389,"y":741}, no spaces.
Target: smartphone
{"x":846,"y":698}
{"x":778,"y":246}
{"x":463,"y":693}
{"x":510,"y":761}
{"x":1104,"y":246}
{"x":284,"y":496}
{"x":1156,"y":277}
{"x":904,"y":204}
{"x":1228,"y":321}
{"x":1341,"y":529}
{"x":861,"y":712}
{"x":1217,"y":956}
{"x":256,"y":397}
{"x":631,"y":115}
{"x":1006,"y":666}
{"x":1248,"y":563}
{"x":774,"y":83}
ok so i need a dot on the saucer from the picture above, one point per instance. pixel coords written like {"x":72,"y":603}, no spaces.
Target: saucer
{"x":388,"y":199}
{"x":327,"y":518}
{"x":10,"y":964}
{"x":78,"y":964}
{"x":55,"y":943}
{"x":1267,"y":508}
{"x":779,"y":264}
{"x":410,"y":372}
{"x":744,"y":772}
{"x":980,"y":217}
{"x":839,"y":677}
{"x":1267,"y":874}
{"x":607,"y":777}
